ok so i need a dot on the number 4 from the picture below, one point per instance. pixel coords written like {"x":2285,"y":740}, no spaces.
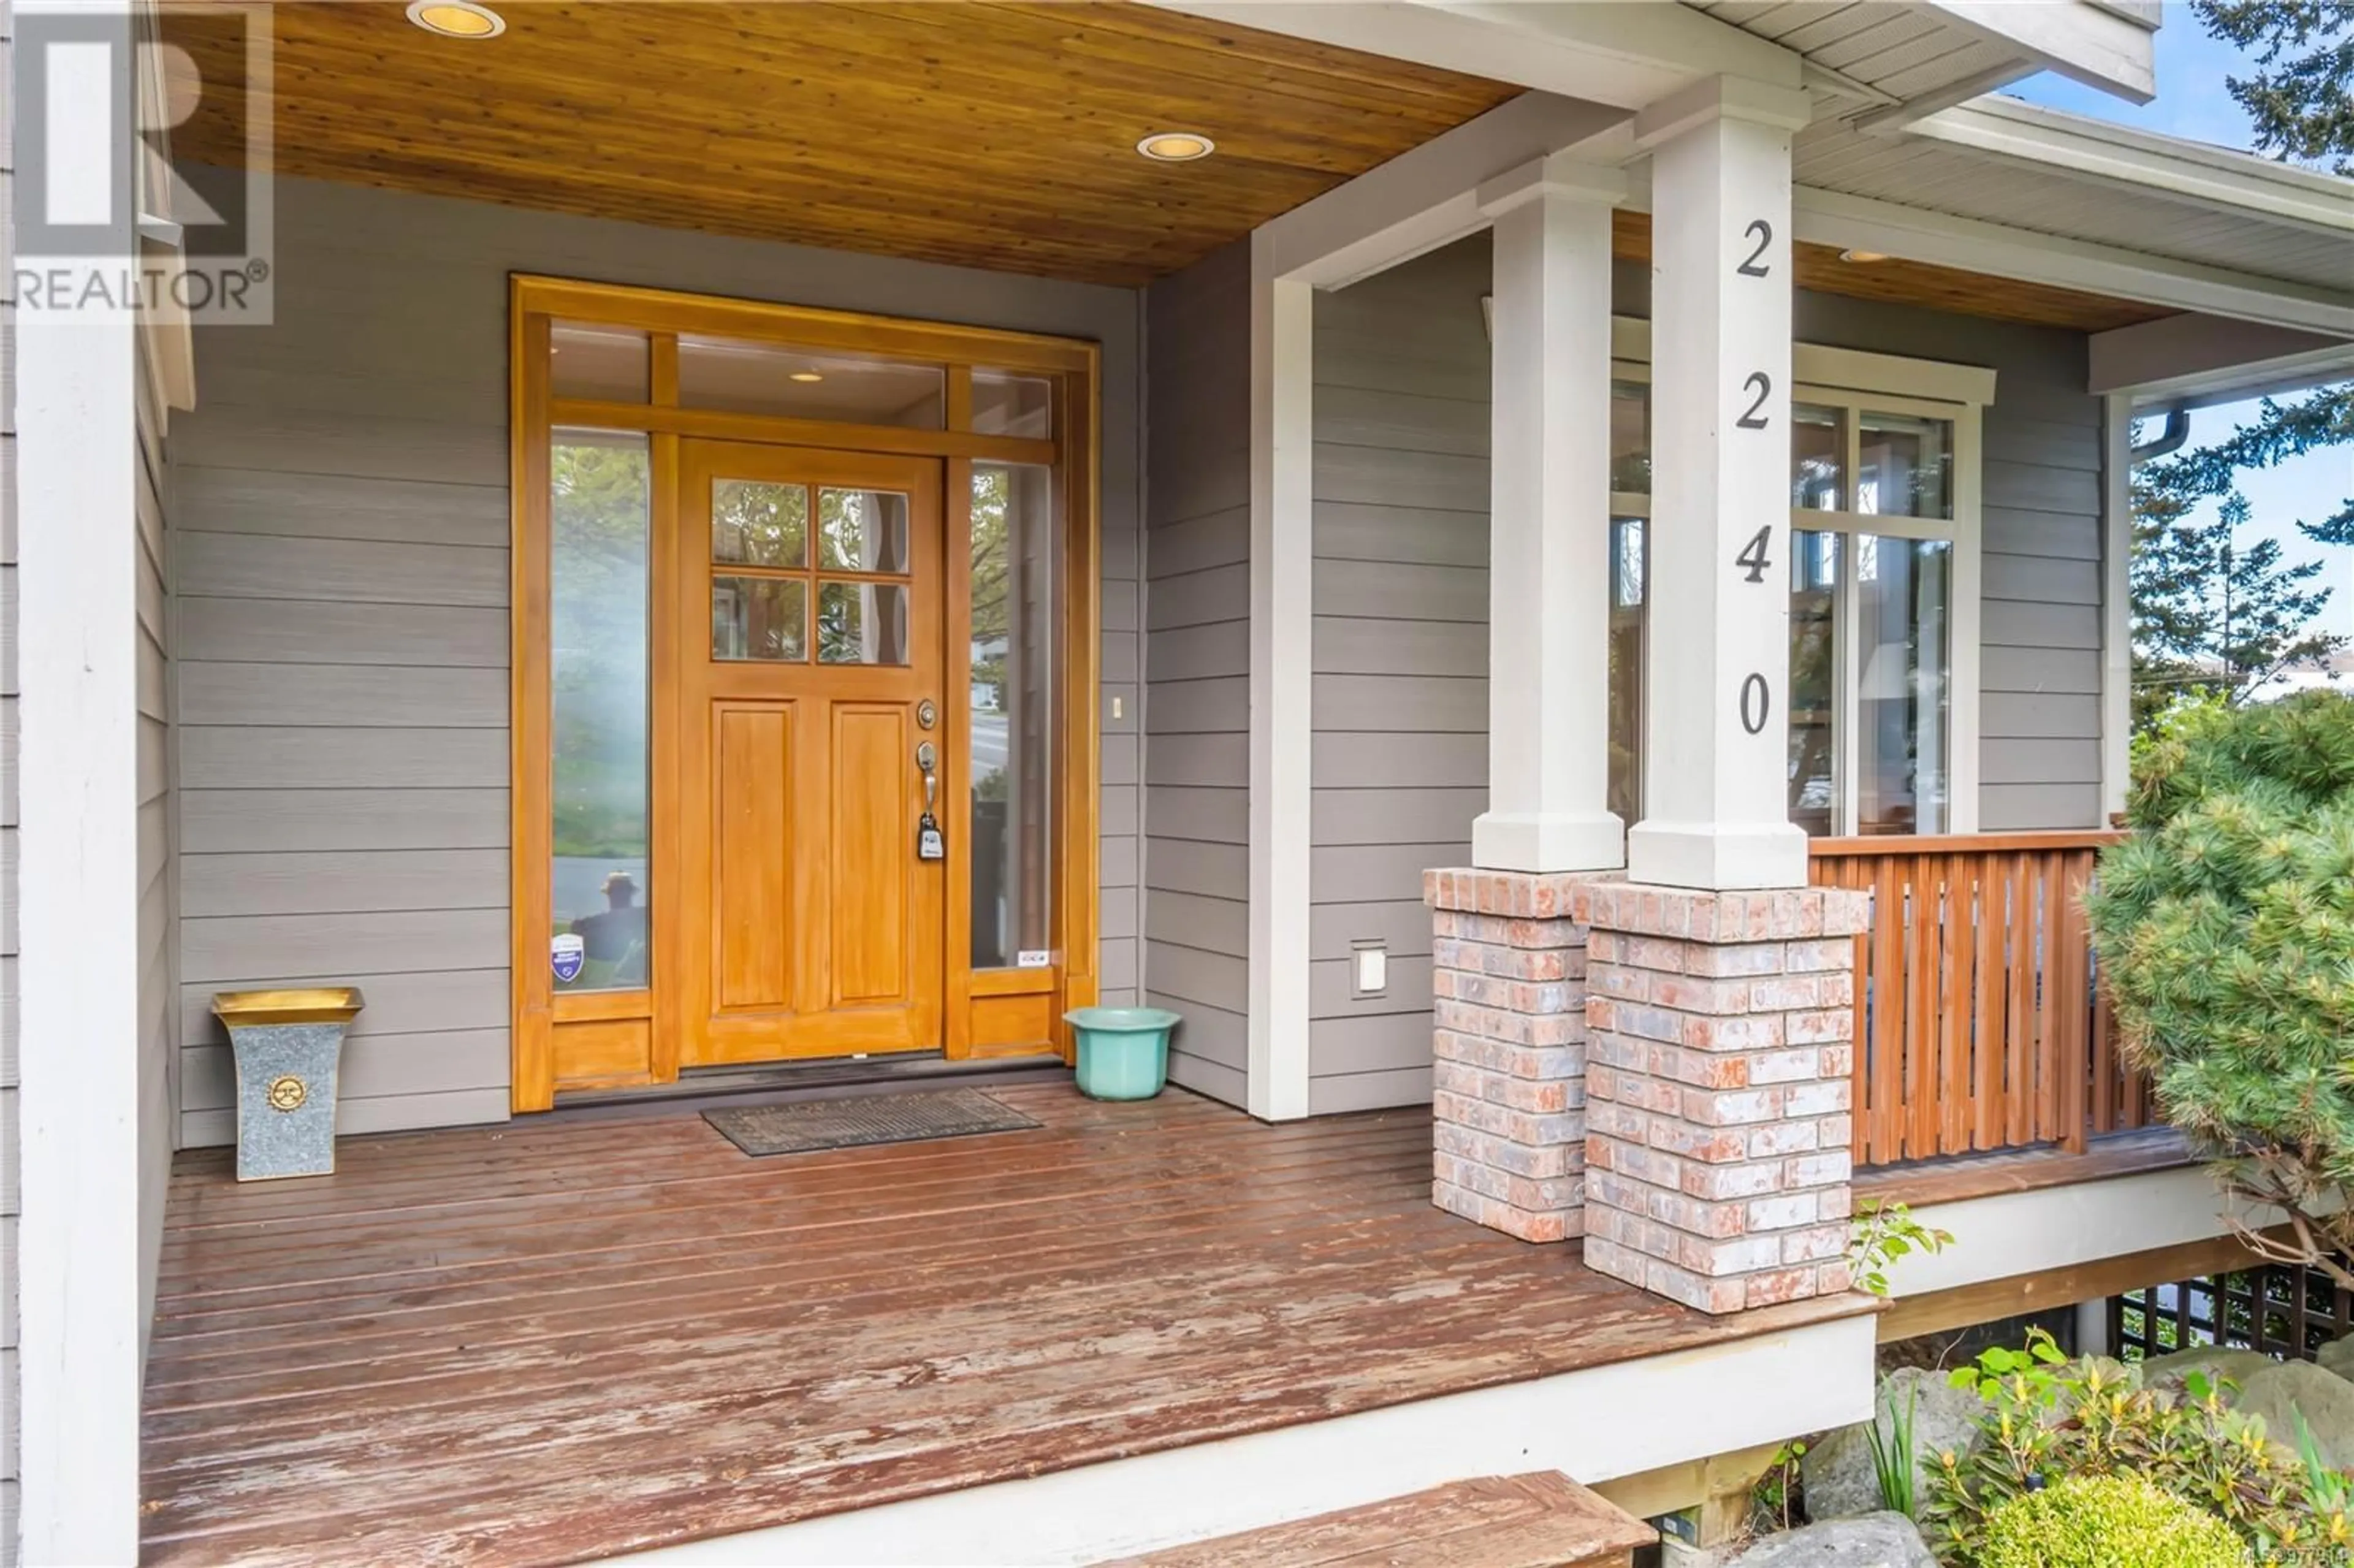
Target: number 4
{"x":1752,"y":558}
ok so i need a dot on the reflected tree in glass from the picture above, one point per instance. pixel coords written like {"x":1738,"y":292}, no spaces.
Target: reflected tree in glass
{"x":597,"y":666}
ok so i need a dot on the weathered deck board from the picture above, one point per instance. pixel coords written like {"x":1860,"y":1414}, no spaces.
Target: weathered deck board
{"x":542,"y":1343}
{"x":1540,"y":1520}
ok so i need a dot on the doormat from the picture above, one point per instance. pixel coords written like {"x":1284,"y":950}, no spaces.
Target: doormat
{"x":813,"y":1125}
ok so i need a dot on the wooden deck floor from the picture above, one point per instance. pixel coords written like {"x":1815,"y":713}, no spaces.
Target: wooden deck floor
{"x":552,"y":1341}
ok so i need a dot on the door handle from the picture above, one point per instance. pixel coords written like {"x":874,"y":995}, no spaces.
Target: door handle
{"x":926,"y":758}
{"x":929,"y":842}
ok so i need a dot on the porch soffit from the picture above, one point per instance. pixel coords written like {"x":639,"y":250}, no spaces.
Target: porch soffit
{"x":985,"y":134}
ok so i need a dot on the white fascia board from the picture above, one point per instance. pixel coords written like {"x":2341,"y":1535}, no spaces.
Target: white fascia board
{"x":1426,"y":197}
{"x":1624,"y":56}
{"x":1917,"y":234}
{"x":2212,"y":178}
{"x":2010,"y":1233}
{"x":2191,"y":360}
{"x":2099,"y":46}
{"x":1594,"y":1425}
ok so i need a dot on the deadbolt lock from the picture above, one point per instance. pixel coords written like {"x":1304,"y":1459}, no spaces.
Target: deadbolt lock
{"x":926,"y":715}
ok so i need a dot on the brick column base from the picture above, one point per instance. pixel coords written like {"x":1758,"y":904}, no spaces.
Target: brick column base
{"x":1508,"y":1086}
{"x":1722,"y":1029}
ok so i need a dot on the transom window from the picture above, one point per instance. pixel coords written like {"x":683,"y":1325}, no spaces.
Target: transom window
{"x":1874,"y":564}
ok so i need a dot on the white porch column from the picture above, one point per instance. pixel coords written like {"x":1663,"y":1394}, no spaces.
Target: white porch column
{"x":1716,"y":728}
{"x":1549,"y":567}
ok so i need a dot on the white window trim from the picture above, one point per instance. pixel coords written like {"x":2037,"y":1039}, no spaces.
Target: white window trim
{"x":1882,"y":383}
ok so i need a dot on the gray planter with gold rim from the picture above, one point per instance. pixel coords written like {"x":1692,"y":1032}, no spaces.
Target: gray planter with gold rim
{"x":288,"y":1044}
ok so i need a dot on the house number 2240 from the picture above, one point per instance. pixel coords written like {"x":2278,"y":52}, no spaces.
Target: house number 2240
{"x":1756,"y":697}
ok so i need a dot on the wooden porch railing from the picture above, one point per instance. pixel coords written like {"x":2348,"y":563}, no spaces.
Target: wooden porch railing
{"x":1978,"y":1025}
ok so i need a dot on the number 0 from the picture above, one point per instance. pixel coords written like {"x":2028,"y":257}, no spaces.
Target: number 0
{"x":1756,"y":703}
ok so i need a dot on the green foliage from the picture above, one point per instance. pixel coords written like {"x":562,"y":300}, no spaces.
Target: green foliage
{"x":1775,"y":1490}
{"x":2302,"y":97}
{"x":2107,"y":1522}
{"x":1892,"y":1456}
{"x":2333,"y":1491}
{"x":2217,"y":613}
{"x":1884,"y":1233}
{"x":2226,"y":930}
{"x":2048,"y":1419}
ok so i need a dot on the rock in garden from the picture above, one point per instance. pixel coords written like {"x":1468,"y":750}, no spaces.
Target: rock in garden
{"x":1840,"y":1477}
{"x":2337,"y":1356}
{"x":1874,"y":1541}
{"x":2216,"y":1361}
{"x":2325,"y":1398}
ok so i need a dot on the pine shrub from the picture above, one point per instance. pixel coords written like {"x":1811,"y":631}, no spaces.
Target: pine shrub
{"x":2226,"y":930}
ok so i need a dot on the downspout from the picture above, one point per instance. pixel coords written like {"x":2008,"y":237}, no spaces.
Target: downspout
{"x":2168,"y":441}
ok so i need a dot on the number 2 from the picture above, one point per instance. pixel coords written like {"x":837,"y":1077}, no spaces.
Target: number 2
{"x":1763,"y":384}
{"x":1752,"y":558}
{"x":1756,"y":266}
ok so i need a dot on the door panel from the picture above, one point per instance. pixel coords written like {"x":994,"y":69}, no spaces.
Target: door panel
{"x":872,"y":827}
{"x":810,"y":602}
{"x":753,"y":925}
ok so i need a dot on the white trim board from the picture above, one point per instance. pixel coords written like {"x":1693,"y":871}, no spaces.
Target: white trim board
{"x":1594,"y":1425}
{"x":2012,"y":1234}
{"x":1843,"y":369}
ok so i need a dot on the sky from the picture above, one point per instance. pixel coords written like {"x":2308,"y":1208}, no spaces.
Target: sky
{"x":2192,"y":101}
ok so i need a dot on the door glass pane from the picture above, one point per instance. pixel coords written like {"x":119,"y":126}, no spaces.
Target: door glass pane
{"x":1630,"y":437}
{"x":1814,"y":566}
{"x":1904,"y":466}
{"x":1014,"y":697}
{"x":862,"y":623}
{"x":1627,"y":574}
{"x":861,"y":531}
{"x":1902,"y":591}
{"x":740,"y":376}
{"x":755,"y":523}
{"x":606,"y":362}
{"x":760,"y":618}
{"x":1004,"y":404}
{"x":598,"y":526}
{"x":1817,"y":454}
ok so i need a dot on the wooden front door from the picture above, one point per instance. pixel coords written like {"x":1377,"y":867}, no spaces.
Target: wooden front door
{"x":809,"y":684}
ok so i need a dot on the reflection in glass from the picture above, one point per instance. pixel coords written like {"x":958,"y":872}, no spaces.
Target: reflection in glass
{"x":746,"y":378}
{"x":1815,"y":563}
{"x":757,"y":523}
{"x":862,"y":623}
{"x":598,"y":526}
{"x":1626,"y":575}
{"x":861,"y":531}
{"x":1014,"y":694}
{"x":1903,"y":588}
{"x":1004,"y":404}
{"x":764,"y":619}
{"x":1630,"y":437}
{"x":1904,"y":466}
{"x":605,"y":363}
{"x":1818,"y":453}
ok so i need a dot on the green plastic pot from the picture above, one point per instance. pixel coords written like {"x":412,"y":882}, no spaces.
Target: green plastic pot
{"x":1123,"y":1050}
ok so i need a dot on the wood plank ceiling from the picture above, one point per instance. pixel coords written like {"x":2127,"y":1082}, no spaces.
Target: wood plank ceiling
{"x":984,"y":132}
{"x":997,"y":136}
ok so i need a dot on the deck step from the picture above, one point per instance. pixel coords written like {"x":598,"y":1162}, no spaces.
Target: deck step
{"x":1543,"y":1520}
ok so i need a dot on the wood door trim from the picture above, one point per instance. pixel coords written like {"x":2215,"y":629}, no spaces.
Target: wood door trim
{"x":1074,"y":453}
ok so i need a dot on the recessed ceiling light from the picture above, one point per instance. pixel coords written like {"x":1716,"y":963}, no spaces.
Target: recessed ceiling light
{"x":1864,"y":257}
{"x":1176,"y":146}
{"x":805,"y":375}
{"x":457,"y":18}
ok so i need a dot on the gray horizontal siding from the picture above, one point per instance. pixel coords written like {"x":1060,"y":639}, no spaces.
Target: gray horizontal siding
{"x":10,"y":1205}
{"x":1399,"y":693}
{"x":342,"y":587}
{"x":1196,"y":620}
